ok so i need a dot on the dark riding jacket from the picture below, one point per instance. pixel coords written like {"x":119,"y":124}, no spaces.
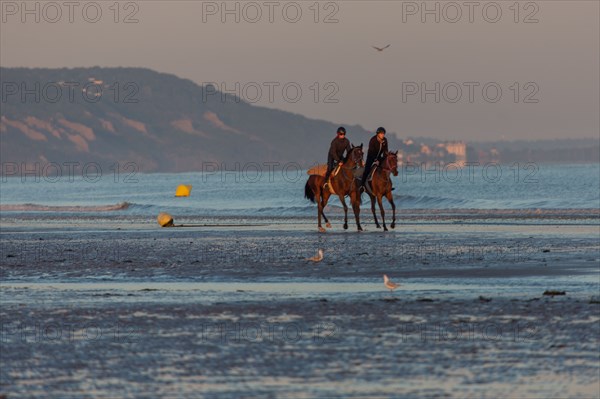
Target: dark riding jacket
{"x":377,"y":150}
{"x":337,"y":149}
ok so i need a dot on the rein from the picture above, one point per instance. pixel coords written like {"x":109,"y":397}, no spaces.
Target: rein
{"x":356,"y":164}
{"x":349,"y":168}
{"x":386,"y":168}
{"x":386,"y":165}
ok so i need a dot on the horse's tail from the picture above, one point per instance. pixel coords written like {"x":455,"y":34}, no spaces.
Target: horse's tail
{"x":308,"y":192}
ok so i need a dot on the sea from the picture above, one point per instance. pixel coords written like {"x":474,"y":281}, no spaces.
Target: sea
{"x":262,"y":192}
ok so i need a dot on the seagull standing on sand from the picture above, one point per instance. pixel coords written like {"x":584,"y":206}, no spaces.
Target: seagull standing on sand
{"x":388,"y":284}
{"x":318,"y":257}
{"x":381,"y":48}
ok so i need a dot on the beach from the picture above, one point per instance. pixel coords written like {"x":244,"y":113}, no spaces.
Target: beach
{"x":229,"y":307}
{"x":166,"y":224}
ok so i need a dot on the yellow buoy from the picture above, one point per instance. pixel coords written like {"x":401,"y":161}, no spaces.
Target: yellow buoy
{"x":165,"y":220}
{"x":183,"y":190}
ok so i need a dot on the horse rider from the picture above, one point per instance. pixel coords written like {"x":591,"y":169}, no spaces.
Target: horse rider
{"x":378,"y":150}
{"x":339,"y":145}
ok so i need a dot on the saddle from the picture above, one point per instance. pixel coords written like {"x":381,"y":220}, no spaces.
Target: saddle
{"x":370,"y":178}
{"x":372,"y":172}
{"x":356,"y":172}
{"x":333,"y":174}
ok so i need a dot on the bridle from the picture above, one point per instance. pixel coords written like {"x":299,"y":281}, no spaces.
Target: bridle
{"x":387,"y":166}
{"x":356,"y":155}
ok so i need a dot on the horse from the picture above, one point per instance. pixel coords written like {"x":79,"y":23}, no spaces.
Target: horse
{"x":381,"y":185}
{"x":343,"y":183}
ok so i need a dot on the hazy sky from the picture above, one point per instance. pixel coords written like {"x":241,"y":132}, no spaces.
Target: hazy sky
{"x":548,"y":71}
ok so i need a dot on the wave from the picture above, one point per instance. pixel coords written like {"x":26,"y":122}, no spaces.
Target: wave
{"x":275,"y":211}
{"x":419,"y":207}
{"x":409,"y":201}
{"x":500,"y":213}
{"x":65,"y":208}
{"x":433,"y":202}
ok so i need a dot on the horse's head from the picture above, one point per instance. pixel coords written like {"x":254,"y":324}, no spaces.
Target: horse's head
{"x":391,"y":162}
{"x":356,"y":155}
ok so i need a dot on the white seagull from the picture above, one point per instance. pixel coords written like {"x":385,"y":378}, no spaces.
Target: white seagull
{"x":381,"y":48}
{"x":318,"y":257}
{"x":388,"y":284}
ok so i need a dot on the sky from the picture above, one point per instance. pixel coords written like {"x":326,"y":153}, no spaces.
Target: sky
{"x":478,"y":70}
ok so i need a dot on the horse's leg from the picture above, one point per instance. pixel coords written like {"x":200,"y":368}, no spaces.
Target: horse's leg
{"x":355,"y":199}
{"x":380,"y":202}
{"x":373,"y":210}
{"x":390,"y":199}
{"x":327,"y":224}
{"x":319,"y":208}
{"x":325,"y":199}
{"x":343,"y":201}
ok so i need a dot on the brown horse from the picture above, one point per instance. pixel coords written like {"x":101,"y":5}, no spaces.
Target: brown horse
{"x":381,"y":185}
{"x":343,"y":183}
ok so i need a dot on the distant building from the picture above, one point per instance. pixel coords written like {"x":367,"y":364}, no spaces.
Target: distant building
{"x":458,"y":149}
{"x":436,"y":152}
{"x":494,"y":155}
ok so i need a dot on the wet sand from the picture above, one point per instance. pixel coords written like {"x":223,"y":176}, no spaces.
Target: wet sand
{"x":96,"y":308}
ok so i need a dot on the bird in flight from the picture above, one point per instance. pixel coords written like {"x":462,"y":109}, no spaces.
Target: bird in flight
{"x":388,"y":283}
{"x":381,"y":48}
{"x":318,"y":257}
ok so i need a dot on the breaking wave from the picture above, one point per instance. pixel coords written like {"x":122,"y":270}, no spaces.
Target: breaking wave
{"x":65,"y":208}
